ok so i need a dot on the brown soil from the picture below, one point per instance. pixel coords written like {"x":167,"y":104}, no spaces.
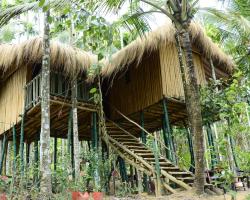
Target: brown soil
{"x":188,"y":195}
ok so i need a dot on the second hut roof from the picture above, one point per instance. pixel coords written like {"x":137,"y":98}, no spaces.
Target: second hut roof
{"x":163,"y":36}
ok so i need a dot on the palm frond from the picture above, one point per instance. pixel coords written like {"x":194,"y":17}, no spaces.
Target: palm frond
{"x":11,"y":12}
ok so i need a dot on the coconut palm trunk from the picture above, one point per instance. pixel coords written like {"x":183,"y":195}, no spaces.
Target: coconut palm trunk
{"x":45,"y":160}
{"x":193,"y":105}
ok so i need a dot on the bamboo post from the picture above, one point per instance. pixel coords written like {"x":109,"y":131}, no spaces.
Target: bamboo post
{"x":3,"y":153}
{"x":131,"y":175}
{"x":22,"y":144}
{"x":166,"y":130}
{"x":211,"y":146}
{"x":36,"y":177}
{"x":140,"y":188}
{"x":144,"y":140}
{"x":55,"y":151}
{"x":69,"y":131}
{"x":94,"y":137}
{"x":205,"y":147}
{"x":191,"y":148}
{"x":14,"y":148}
{"x":231,"y":152}
{"x":219,"y":156}
{"x":72,"y":154}
{"x":27,"y":154}
{"x":157,"y":168}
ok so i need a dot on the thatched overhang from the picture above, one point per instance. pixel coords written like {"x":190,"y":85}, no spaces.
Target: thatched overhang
{"x":64,"y":58}
{"x":165,"y":35}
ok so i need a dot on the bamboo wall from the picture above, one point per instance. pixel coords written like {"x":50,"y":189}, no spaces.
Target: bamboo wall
{"x":171,"y":75}
{"x":12,"y":99}
{"x":138,"y":89}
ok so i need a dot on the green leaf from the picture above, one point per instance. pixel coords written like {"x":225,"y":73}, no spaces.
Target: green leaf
{"x":93,"y":90}
{"x":41,"y":3}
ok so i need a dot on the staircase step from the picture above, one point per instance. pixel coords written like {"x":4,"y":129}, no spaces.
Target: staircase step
{"x":127,"y":139}
{"x":168,"y":169}
{"x":189,"y":178}
{"x":146,"y":154}
{"x":180,"y":174}
{"x":142,"y":150}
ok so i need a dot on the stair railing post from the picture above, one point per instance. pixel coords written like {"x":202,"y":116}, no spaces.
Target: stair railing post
{"x":157,"y":167}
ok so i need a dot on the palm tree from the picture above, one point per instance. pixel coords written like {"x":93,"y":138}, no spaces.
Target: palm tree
{"x":181,"y":13}
{"x":5,"y":17}
{"x":45,"y":160}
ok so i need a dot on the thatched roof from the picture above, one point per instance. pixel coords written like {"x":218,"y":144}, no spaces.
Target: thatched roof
{"x":65,"y":58}
{"x":163,"y":36}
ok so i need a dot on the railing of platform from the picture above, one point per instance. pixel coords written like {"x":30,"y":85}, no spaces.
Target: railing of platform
{"x":59,"y":87}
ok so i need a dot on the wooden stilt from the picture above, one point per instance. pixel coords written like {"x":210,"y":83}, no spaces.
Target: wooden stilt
{"x":157,"y":167}
{"x":144,"y":140}
{"x":131,"y":175}
{"x":27,"y":154}
{"x":211,"y":146}
{"x":22,"y":144}
{"x":72,"y":154}
{"x":140,"y":188}
{"x":14,"y":148}
{"x":69,"y":131}
{"x":3,"y":154}
{"x":94,"y":137}
{"x":36,"y":159}
{"x":191,"y":149}
{"x":167,"y":131}
{"x":55,"y":151}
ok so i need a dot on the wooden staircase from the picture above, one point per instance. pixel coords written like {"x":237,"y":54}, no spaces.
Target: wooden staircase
{"x":137,"y":154}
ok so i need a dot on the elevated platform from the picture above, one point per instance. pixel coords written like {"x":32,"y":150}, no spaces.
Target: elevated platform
{"x":59,"y":112}
{"x":153,"y":116}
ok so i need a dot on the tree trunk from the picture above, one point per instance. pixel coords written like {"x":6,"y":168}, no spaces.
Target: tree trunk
{"x":75,"y":130}
{"x":194,"y":114}
{"x":45,"y":113}
{"x":192,"y":100}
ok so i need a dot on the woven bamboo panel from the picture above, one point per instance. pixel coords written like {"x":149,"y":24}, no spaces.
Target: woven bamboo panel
{"x":12,"y":99}
{"x":171,"y":75}
{"x":138,"y":87}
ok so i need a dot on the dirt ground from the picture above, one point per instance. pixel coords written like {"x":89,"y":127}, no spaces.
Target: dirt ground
{"x":188,"y":195}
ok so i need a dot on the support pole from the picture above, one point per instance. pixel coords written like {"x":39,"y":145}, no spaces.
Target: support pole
{"x":191,"y":148}
{"x":27,"y":154}
{"x":211,"y":146}
{"x":22,"y":145}
{"x":157,"y":167}
{"x":14,"y":148}
{"x":94,"y":136}
{"x":167,"y":131}
{"x":3,"y":153}
{"x":69,"y":131}
{"x":36,"y":158}
{"x":55,"y":151}
{"x":144,"y":140}
{"x":143,"y":135}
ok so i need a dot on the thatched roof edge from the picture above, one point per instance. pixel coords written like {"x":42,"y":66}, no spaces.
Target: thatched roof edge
{"x":63,"y":57}
{"x":162,"y":36}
